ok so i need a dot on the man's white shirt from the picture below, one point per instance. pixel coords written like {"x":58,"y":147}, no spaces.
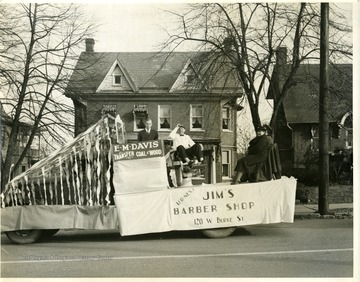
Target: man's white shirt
{"x":184,"y":140}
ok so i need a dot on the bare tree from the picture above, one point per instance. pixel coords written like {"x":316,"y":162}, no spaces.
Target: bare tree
{"x":37,"y":55}
{"x":247,"y":35}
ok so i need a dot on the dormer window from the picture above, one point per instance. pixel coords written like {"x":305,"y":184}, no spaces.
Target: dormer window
{"x":117,"y":79}
{"x":189,"y":75}
{"x":189,"y":78}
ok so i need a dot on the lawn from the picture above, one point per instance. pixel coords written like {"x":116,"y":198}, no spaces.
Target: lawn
{"x":337,"y":193}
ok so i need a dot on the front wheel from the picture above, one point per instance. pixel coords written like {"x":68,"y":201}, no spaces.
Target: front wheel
{"x":218,"y":232}
{"x":24,"y":236}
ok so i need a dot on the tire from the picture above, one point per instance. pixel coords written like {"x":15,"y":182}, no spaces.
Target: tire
{"x":49,"y":232}
{"x":218,"y":232}
{"x":24,"y":236}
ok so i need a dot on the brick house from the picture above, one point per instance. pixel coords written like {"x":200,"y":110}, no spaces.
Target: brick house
{"x":169,"y":88}
{"x":298,"y":119}
{"x":33,"y":154}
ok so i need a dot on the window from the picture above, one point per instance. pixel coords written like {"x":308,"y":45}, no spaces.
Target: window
{"x":349,"y":138}
{"x":140,"y":115}
{"x":226,"y":158}
{"x":315,"y":137}
{"x":21,"y":140}
{"x":117,"y":75}
{"x":314,"y":141}
{"x":226,"y":118}
{"x":164,"y":117}
{"x":189,"y":75}
{"x":117,"y":79}
{"x":348,"y":126}
{"x":189,"y":78}
{"x":140,"y":120}
{"x":35,"y":143}
{"x":196,"y":117}
{"x":109,"y":109}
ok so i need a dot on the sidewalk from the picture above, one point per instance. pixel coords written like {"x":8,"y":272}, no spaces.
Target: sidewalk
{"x":311,"y":210}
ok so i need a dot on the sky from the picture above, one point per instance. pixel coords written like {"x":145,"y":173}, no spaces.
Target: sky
{"x":131,"y":27}
{"x":137,"y":26}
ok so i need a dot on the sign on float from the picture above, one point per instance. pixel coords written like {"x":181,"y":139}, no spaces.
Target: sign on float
{"x":141,"y":150}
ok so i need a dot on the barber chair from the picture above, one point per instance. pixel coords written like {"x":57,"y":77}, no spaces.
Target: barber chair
{"x":183,"y":172}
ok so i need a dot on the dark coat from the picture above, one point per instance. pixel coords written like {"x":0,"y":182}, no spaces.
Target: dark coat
{"x":258,"y":149}
{"x":257,"y":154}
{"x":144,"y":136}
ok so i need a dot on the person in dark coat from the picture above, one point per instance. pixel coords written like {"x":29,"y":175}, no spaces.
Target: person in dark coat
{"x":148,"y":133}
{"x":256,"y":155}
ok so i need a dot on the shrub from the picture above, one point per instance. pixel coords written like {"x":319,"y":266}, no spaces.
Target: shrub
{"x":311,"y":175}
{"x":341,"y":166}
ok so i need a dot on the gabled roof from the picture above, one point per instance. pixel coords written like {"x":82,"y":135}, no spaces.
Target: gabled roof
{"x":4,"y":115}
{"x":180,"y":83}
{"x":103,"y":85}
{"x":149,"y":71}
{"x":301,"y":104}
{"x":6,"y":119}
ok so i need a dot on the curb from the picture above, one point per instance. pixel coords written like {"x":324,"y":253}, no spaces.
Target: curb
{"x":342,"y":215}
{"x":336,"y":211}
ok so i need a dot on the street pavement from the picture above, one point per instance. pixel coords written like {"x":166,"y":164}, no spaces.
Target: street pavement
{"x":274,"y":250}
{"x":306,"y":248}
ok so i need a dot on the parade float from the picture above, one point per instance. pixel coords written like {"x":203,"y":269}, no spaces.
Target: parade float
{"x":99,"y":181}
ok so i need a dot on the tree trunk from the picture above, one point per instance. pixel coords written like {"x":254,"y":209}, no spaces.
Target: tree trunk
{"x":15,"y":126}
{"x":254,"y":110}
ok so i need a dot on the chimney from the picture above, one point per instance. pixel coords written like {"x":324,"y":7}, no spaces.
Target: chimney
{"x":281,"y":53}
{"x":228,"y":44}
{"x":89,"y":42}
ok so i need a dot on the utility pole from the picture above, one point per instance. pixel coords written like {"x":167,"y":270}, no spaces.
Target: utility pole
{"x":323,"y":111}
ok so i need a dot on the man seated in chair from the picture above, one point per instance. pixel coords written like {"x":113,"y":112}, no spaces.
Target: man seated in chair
{"x":256,"y":155}
{"x":188,"y":151}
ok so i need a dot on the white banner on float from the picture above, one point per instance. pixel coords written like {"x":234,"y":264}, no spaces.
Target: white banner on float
{"x":207,"y":206}
{"x":212,"y":206}
{"x":139,"y":167}
{"x":144,"y":212}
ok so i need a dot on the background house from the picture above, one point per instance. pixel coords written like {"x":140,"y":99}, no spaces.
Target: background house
{"x":169,"y":88}
{"x":33,"y":154}
{"x":298,"y":119}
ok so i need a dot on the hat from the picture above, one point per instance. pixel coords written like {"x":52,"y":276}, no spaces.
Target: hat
{"x":180,"y":125}
{"x":261,"y":128}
